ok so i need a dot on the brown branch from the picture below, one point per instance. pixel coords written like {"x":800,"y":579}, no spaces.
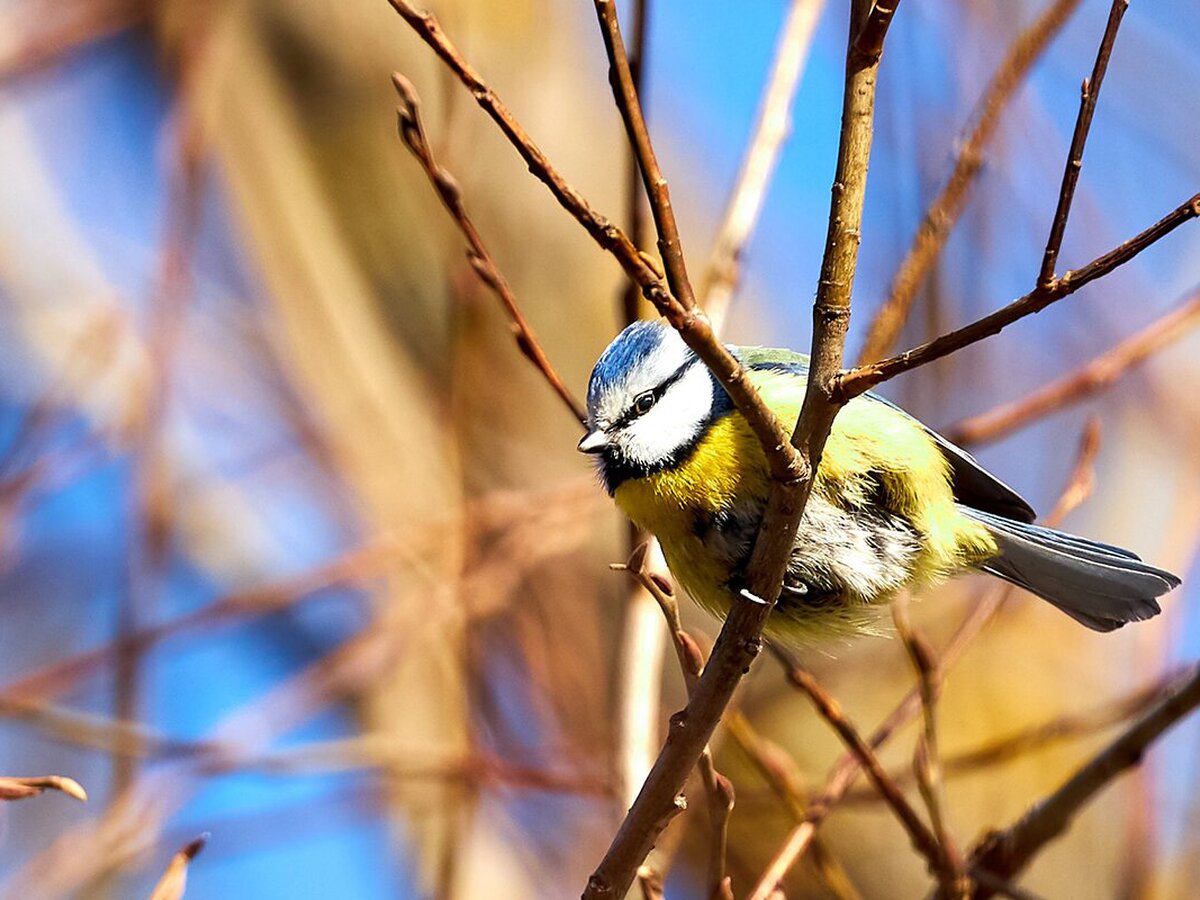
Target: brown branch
{"x":868,"y":43}
{"x":1037,"y":737}
{"x":792,"y":464}
{"x":412,"y":134}
{"x":862,"y":378}
{"x":847,"y":769}
{"x":718,"y":788}
{"x":1006,"y":853}
{"x":1089,"y":94}
{"x":923,"y":840}
{"x":762,"y":153}
{"x":173,"y":883}
{"x":943,"y":213}
{"x":927,"y":764}
{"x":1089,"y":379}
{"x":682,"y":314}
{"x":635,"y":212}
{"x":778,"y":769}
{"x":12,"y":788}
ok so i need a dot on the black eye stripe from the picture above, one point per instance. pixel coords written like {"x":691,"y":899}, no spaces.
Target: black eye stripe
{"x":657,"y":392}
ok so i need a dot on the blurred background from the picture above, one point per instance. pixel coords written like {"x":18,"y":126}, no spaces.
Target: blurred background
{"x":295,"y":548}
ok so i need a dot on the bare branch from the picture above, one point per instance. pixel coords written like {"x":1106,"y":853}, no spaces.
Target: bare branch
{"x":12,"y":788}
{"x":682,"y":313}
{"x":771,"y":130}
{"x":1089,"y":94}
{"x":173,"y":883}
{"x":927,"y":764}
{"x":1005,"y":853}
{"x":862,"y":378}
{"x":1088,"y":380}
{"x":412,"y":134}
{"x":922,"y":838}
{"x":847,"y":769}
{"x":943,"y":213}
{"x":740,"y":638}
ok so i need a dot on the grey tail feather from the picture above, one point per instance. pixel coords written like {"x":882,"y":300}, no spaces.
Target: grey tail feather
{"x":1099,"y":585}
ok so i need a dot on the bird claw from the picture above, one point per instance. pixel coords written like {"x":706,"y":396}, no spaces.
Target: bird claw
{"x":747,"y":594}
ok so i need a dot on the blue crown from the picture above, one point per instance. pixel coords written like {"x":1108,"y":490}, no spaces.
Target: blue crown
{"x":627,"y":350}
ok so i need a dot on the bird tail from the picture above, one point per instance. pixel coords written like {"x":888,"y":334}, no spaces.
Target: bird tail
{"x":1098,"y":585}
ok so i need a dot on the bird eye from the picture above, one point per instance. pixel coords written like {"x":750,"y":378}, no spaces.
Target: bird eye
{"x":643,"y":402}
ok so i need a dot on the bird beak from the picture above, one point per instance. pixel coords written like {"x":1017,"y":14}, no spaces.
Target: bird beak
{"x":593,"y":442}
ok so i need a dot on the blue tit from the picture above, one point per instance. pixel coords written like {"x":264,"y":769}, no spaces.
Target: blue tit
{"x":894,"y":505}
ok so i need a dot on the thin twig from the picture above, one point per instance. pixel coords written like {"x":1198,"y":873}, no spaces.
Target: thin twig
{"x":862,"y":378}
{"x":1088,"y":95}
{"x":762,"y":153}
{"x":791,"y":463}
{"x":778,"y":769}
{"x":943,"y":213}
{"x":1091,"y":378}
{"x":1005,"y":853}
{"x":13,"y":788}
{"x":173,"y":883}
{"x":635,"y":206}
{"x":412,"y":134}
{"x":847,"y":769}
{"x":923,"y":840}
{"x":927,"y":764}
{"x":682,"y":314}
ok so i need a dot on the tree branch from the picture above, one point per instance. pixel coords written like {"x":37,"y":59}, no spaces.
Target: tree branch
{"x":1089,"y":379}
{"x":412,"y":134}
{"x":862,"y":378}
{"x":849,"y":766}
{"x":740,"y":638}
{"x":943,"y":213}
{"x":1088,"y":95}
{"x":1005,"y":853}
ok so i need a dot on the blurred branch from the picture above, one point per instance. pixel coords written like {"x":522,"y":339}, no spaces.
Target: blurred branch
{"x":847,"y":769}
{"x":61,"y":676}
{"x":923,"y":840}
{"x":771,"y":130}
{"x":12,"y":788}
{"x":1089,"y":379}
{"x":778,"y":769}
{"x":1006,"y":853}
{"x":412,"y":133}
{"x":62,"y":29}
{"x":860,"y":379}
{"x":943,"y":213}
{"x":173,"y":883}
{"x":1037,"y":737}
{"x":927,"y":763}
{"x":1088,"y":95}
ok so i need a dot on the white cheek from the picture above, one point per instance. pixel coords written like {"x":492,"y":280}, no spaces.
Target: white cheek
{"x":674,"y":420}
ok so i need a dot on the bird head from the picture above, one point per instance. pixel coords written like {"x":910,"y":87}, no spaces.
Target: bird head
{"x":649,"y":400}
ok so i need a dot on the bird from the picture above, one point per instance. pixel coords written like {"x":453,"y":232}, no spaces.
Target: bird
{"x":894,"y":505}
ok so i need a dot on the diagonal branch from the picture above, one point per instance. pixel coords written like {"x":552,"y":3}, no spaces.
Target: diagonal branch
{"x":847,"y":769}
{"x":412,"y":133}
{"x":1088,"y":95}
{"x":862,"y":378}
{"x":1089,"y":379}
{"x":943,"y":213}
{"x":1007,"y":852}
{"x":681,"y":312}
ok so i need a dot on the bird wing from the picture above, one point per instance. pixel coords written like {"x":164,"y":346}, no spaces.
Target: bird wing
{"x":973,"y":485}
